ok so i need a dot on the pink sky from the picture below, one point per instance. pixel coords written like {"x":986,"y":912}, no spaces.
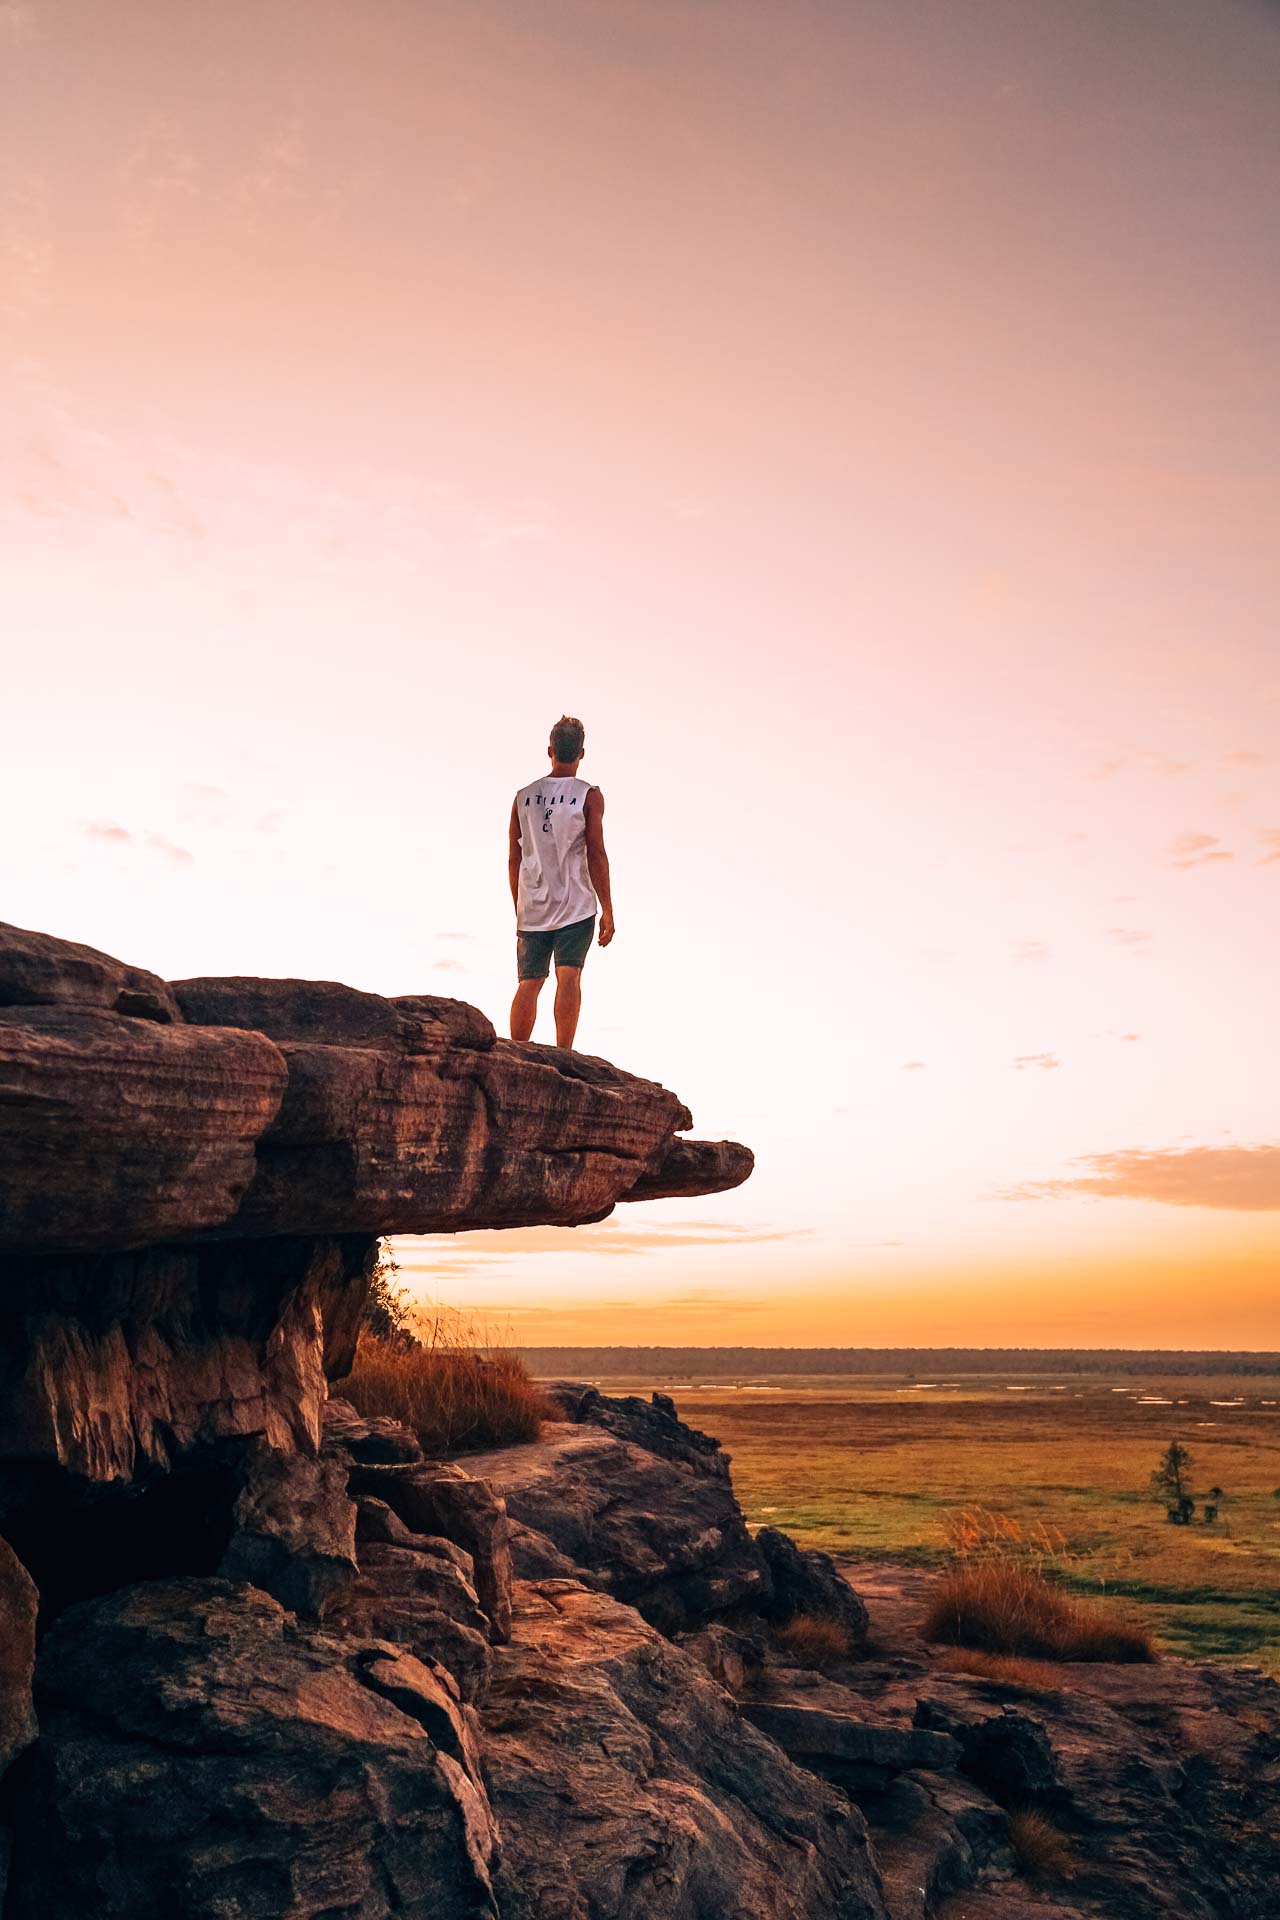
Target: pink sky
{"x":867,"y":419}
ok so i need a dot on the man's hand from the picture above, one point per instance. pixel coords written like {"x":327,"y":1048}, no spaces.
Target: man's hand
{"x":598,"y":862}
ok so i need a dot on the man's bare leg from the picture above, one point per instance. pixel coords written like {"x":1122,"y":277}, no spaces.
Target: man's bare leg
{"x":524,"y":1008}
{"x":568,"y":1004}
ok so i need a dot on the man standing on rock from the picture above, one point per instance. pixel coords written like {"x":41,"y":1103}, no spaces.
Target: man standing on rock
{"x":559,"y":873}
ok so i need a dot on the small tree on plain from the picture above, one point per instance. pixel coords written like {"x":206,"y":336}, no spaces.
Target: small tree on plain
{"x":1171,"y":1484}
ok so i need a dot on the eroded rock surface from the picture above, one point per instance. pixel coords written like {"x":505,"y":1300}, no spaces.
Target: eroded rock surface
{"x":112,"y":1364}
{"x":664,"y":1534}
{"x":203,"y":1755}
{"x":293,"y":1529}
{"x":628,"y":1788}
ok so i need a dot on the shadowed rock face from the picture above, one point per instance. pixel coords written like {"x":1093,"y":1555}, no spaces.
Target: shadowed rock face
{"x":132,"y":1113}
{"x":203,"y":1754}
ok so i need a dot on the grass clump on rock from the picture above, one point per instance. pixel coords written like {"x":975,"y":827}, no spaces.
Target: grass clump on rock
{"x":453,"y":1388}
{"x":813,"y":1641}
{"x":998,"y":1598}
{"x":1041,"y":1851}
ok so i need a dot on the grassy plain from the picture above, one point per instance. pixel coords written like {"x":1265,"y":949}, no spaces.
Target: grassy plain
{"x":871,"y":1468}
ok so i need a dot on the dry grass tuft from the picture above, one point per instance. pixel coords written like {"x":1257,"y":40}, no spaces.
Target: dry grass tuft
{"x":1041,"y":1850}
{"x":812,"y":1641}
{"x":1003,"y":1669}
{"x":998,"y":1598}
{"x":453,"y":1397}
{"x":1000,"y":1607}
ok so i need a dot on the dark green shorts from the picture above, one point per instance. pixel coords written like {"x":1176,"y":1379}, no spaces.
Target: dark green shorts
{"x":570,"y":946}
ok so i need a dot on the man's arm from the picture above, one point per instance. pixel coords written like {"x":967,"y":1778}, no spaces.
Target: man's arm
{"x":598,"y":862}
{"x":513,"y":857}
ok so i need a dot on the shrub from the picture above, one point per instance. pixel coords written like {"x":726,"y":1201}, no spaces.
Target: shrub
{"x":813,"y":1641}
{"x":1040,"y":1850}
{"x":453,"y":1397}
{"x":1003,"y":1669}
{"x":388,"y":1309}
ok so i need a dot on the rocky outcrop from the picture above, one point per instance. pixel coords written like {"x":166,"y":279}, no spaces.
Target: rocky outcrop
{"x":1162,"y":1780}
{"x":663,"y":1534}
{"x":194,"y":1177}
{"x":808,"y":1581}
{"x":202,"y":1754}
{"x":132,"y":1114}
{"x":626,"y":1785}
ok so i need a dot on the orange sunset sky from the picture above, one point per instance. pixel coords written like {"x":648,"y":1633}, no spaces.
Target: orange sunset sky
{"x":867,"y":417}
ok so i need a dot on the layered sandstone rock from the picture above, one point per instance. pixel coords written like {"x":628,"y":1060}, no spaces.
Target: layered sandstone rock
{"x":133,"y":1114}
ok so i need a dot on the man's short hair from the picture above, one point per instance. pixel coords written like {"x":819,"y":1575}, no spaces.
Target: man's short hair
{"x":568,"y":736}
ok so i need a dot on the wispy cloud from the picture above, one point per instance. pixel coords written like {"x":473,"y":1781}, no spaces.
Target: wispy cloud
{"x":476,"y":1250}
{"x":1136,"y":939}
{"x":148,"y":842}
{"x":1029,"y":950}
{"x":1246,"y":757}
{"x":1045,"y":1061}
{"x":1239,"y":1179}
{"x":1197,"y":850}
{"x":1271,"y":840}
{"x":914,"y":1066}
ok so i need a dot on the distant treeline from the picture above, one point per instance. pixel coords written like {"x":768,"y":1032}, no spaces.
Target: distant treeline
{"x":712,"y":1363}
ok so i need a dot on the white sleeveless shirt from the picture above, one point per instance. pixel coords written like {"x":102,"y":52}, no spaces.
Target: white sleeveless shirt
{"x":554,"y":888}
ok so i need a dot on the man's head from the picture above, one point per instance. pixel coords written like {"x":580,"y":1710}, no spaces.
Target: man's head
{"x":568,"y":737}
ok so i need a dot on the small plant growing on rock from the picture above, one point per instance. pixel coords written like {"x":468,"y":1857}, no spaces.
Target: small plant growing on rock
{"x":388,"y":1309}
{"x":1041,"y":1851}
{"x":449,"y":1384}
{"x":812,"y":1641}
{"x":1171,"y":1484}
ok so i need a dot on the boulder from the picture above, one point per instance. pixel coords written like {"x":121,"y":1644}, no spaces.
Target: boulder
{"x":808,"y":1581}
{"x":38,"y":971}
{"x":838,"y":1743}
{"x":665,"y":1534}
{"x":19,"y":1604}
{"x":419,"y":1596}
{"x":628,"y":1788}
{"x":378,"y":1440}
{"x":201,"y":1753}
{"x":293,"y":1529}
{"x":463,"y":1507}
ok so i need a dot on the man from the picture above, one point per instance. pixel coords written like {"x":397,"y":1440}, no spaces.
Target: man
{"x":559,"y":873}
